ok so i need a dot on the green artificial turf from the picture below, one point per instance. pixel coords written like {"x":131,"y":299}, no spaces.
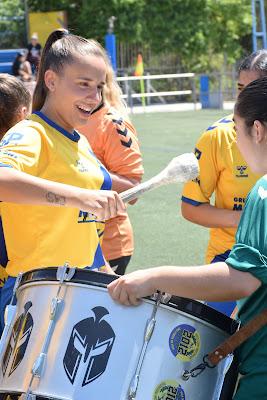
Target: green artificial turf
{"x":162,"y":236}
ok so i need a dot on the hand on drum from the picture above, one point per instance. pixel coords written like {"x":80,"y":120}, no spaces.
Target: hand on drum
{"x":130,"y":288}
{"x":101,"y":204}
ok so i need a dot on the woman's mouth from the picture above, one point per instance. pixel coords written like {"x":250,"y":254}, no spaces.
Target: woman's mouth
{"x":86,"y":110}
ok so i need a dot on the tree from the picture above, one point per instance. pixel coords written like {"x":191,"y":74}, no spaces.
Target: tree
{"x":12,"y":28}
{"x":200,"y":32}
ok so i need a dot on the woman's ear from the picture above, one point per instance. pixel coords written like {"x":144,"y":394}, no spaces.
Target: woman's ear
{"x":259,"y":132}
{"x":50,"y":80}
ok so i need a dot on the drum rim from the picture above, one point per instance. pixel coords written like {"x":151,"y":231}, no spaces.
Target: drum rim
{"x":102,"y":279}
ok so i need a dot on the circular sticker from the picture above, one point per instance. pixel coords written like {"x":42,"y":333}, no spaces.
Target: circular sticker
{"x":169,"y":390}
{"x":184,"y":342}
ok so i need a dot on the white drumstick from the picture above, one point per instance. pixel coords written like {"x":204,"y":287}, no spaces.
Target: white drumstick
{"x":181,"y":169}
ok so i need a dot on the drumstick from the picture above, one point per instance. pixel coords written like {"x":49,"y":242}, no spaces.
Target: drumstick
{"x":180,"y":169}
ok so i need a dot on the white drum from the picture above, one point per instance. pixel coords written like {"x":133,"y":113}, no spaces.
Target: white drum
{"x":70,"y":341}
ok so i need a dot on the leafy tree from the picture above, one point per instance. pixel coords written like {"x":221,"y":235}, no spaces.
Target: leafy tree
{"x":195,"y":34}
{"x":200,"y":32}
{"x":12,"y":28}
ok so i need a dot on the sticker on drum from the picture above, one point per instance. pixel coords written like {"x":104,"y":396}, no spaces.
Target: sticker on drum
{"x":169,"y":390}
{"x":184,"y":342}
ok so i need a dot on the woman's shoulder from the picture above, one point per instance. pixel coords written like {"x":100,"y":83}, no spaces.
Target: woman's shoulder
{"x":258,"y":192}
{"x":221,"y":131}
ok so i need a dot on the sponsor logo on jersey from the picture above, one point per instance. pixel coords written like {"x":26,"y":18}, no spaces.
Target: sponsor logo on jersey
{"x":11,"y":137}
{"x":262,"y":193}
{"x":85,"y":217}
{"x":238,"y":203}
{"x":81,"y":166}
{"x":240,"y":173}
{"x":198,"y":153}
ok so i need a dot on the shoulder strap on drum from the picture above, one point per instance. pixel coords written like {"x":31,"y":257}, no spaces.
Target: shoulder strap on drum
{"x":230,"y":344}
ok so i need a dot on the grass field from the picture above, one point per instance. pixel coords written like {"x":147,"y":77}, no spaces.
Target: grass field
{"x":162,"y":236}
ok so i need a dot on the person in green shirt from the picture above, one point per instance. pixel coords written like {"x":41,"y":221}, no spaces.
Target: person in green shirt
{"x":243,"y":276}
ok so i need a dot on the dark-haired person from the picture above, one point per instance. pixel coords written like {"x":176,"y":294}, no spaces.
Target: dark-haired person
{"x":69,"y":86}
{"x":15,"y":102}
{"x":225,"y":173}
{"x":243,"y":275}
{"x":21,"y":68}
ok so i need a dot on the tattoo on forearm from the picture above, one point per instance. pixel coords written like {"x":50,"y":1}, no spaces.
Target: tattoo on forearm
{"x":55,"y":198}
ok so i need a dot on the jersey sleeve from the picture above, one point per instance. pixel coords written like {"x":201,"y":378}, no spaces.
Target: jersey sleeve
{"x":121,"y":153}
{"x":22,"y":148}
{"x":200,"y":189}
{"x":249,"y":252}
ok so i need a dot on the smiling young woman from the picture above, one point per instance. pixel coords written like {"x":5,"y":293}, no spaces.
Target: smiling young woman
{"x":69,"y":85}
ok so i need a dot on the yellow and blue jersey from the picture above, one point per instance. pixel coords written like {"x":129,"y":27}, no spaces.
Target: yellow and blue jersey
{"x":42,"y":236}
{"x":224,"y":172}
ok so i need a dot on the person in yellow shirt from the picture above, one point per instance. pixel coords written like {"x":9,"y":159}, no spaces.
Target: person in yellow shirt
{"x":18,"y":187}
{"x":48,"y":146}
{"x":225,"y":173}
{"x":113,"y":139}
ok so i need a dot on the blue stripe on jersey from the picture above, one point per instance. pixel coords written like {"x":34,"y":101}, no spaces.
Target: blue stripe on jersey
{"x":210,"y":128}
{"x":225,"y":121}
{"x":107,"y":182}
{"x":5,"y":165}
{"x":75,"y":137}
{"x":222,"y":121}
{"x":192,"y":202}
{"x":99,"y":259}
{"x":221,"y":257}
{"x":3,"y":251}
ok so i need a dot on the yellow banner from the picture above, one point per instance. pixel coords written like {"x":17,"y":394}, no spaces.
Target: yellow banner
{"x":43,"y":23}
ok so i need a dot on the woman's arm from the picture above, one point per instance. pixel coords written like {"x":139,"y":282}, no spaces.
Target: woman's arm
{"x":121,"y":183}
{"x":217,"y":282}
{"x":19,"y":187}
{"x":209,"y":216}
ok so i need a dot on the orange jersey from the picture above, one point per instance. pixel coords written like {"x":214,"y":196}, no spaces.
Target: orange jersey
{"x":115,"y":144}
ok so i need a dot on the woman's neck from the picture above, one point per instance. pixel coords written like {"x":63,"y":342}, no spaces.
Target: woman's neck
{"x":51,"y":113}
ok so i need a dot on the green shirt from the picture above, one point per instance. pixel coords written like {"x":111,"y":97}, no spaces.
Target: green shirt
{"x":249,"y":254}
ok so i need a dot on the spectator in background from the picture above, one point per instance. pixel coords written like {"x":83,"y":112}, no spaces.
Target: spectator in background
{"x":21,"y":68}
{"x":34,"y":52}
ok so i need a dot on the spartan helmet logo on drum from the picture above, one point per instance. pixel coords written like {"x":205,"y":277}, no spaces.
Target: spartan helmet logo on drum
{"x":89,"y":348}
{"x":19,"y":339}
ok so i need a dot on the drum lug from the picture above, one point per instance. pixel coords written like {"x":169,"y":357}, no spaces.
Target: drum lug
{"x":39,"y":365}
{"x":65,"y":273}
{"x":165,"y":297}
{"x":149,"y":329}
{"x":28,"y":396}
{"x":54,"y":307}
{"x":133,"y":388}
{"x":150,"y":325}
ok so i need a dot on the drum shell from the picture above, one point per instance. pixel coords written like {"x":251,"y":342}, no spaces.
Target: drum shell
{"x":128,"y":324}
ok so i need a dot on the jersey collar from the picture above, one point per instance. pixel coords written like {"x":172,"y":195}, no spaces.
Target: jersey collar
{"x":75,"y":137}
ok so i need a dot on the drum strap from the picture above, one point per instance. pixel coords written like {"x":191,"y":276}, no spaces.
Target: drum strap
{"x":230,"y":344}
